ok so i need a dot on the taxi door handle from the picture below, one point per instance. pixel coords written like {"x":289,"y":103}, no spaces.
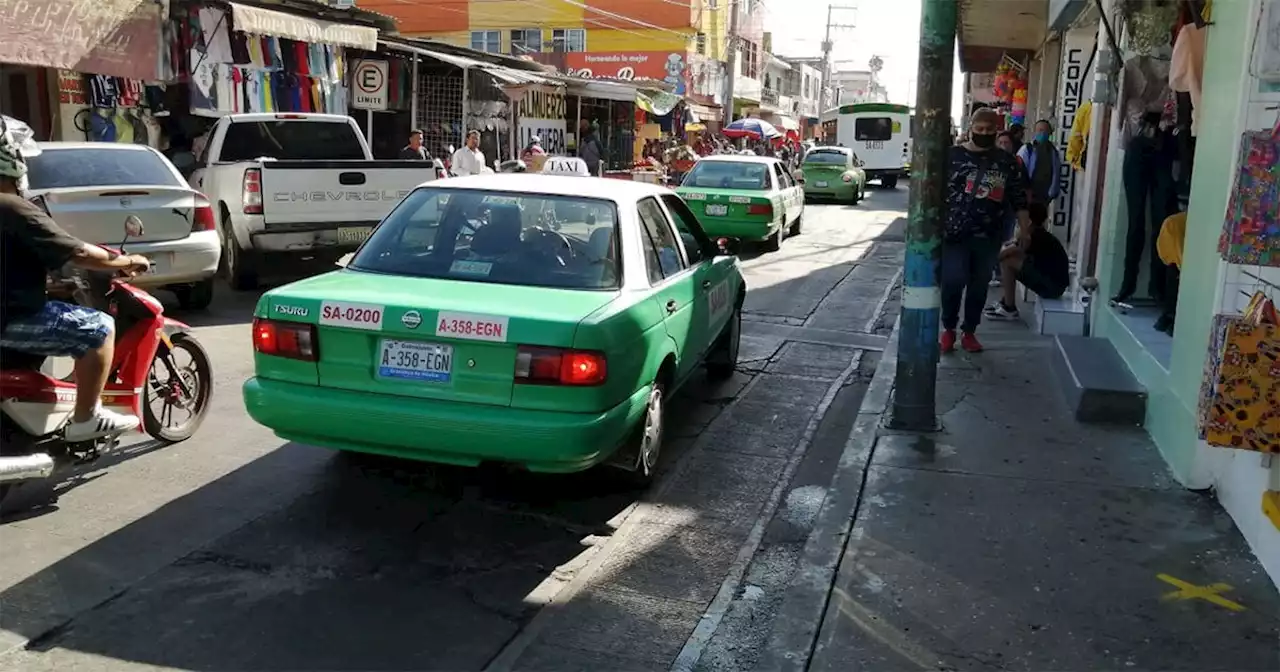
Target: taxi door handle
{"x":706,"y":284}
{"x":671,"y":306}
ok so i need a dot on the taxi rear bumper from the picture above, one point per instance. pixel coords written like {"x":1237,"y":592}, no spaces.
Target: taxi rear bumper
{"x":441,"y":431}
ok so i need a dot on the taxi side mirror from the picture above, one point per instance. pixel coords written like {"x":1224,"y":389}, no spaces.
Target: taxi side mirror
{"x":344,"y":260}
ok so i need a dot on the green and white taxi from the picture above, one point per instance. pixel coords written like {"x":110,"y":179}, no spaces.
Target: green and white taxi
{"x":747,"y":197}
{"x":534,"y":320}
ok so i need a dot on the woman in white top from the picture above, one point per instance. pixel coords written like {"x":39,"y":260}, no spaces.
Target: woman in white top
{"x":468,"y":160}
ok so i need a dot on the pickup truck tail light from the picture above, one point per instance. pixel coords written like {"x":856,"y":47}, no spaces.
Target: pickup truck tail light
{"x":760,"y":209}
{"x":441,"y":173}
{"x":203,"y":219}
{"x":559,"y":366}
{"x":251,"y":191}
{"x":847,"y":177}
{"x":292,"y":340}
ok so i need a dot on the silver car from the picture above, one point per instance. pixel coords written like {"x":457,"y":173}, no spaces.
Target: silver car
{"x":90,"y":187}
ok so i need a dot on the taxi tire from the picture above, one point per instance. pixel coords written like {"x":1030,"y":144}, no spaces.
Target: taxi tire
{"x":774,"y":242}
{"x":722,"y":361}
{"x":797,"y":227}
{"x":646,"y":444}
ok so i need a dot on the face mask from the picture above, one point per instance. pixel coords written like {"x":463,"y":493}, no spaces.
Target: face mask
{"x":983,"y":140}
{"x":1042,"y":136}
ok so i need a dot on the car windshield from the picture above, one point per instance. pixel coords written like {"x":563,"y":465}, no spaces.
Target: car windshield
{"x":728,"y":175}
{"x":94,"y":167}
{"x":827,"y":157}
{"x":510,"y":238}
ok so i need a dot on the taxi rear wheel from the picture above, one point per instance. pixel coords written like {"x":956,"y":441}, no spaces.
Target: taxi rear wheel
{"x":774,"y":242}
{"x":722,"y":361}
{"x":797,"y":226}
{"x":645,"y":447}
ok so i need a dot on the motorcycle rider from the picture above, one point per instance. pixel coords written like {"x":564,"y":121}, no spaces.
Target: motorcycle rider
{"x":32,"y":245}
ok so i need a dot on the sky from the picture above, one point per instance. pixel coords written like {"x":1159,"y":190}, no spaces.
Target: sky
{"x":887,"y":28}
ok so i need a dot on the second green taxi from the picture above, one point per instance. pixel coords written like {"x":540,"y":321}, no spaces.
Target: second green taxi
{"x":746,"y":197}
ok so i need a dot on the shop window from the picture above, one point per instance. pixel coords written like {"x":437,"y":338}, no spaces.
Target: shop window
{"x":526,"y":41}
{"x":571,"y":39}
{"x":487,"y":40}
{"x":701,"y":41}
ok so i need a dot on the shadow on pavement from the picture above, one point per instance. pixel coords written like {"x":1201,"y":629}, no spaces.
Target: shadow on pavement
{"x":303,"y":559}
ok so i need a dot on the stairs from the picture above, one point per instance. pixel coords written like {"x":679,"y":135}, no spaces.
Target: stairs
{"x":1096,"y":383}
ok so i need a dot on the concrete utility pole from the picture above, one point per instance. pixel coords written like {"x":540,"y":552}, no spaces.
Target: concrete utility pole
{"x":916,"y":379}
{"x":823,"y":102}
{"x":731,"y":50}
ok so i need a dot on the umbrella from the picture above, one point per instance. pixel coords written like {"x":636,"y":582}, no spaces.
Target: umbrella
{"x":755,"y":129}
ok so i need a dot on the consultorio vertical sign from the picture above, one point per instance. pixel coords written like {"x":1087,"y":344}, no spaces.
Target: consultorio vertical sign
{"x":1077,"y":47}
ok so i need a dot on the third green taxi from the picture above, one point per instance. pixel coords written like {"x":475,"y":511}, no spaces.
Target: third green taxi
{"x":747,"y":197}
{"x":530,"y":320}
{"x":834,"y":172}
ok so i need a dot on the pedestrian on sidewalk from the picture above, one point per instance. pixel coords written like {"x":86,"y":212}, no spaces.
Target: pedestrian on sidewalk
{"x":1037,"y":260}
{"x":983,"y":183}
{"x":1006,"y":142}
{"x":468,"y":159}
{"x":1043,"y":163}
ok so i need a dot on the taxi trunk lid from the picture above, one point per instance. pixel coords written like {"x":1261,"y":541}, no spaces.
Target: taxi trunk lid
{"x":726,"y":203}
{"x":430,"y":338}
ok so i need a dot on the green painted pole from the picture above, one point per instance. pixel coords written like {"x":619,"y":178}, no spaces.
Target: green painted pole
{"x":916,"y":377}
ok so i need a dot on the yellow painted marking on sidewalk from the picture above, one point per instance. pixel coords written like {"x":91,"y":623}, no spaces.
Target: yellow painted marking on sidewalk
{"x":1190,"y":591}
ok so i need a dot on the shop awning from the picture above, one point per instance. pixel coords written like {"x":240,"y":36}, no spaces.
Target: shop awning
{"x":500,"y":72}
{"x":101,"y":37}
{"x":788,"y":123}
{"x":259,"y":21}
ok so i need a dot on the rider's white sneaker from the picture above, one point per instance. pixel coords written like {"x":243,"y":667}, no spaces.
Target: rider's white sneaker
{"x":103,"y":423}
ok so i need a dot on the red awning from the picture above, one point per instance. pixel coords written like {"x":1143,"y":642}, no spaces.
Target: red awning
{"x":100,"y":37}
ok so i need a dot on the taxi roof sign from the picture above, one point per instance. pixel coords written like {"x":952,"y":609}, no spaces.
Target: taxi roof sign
{"x":565,"y":165}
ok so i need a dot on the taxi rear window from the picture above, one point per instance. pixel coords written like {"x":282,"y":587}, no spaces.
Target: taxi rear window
{"x":728,"y":175}
{"x":566,"y":242}
{"x":827,"y":157}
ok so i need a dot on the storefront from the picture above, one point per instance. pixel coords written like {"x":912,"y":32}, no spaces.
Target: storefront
{"x":59,"y":56}
{"x":607,"y":111}
{"x":1172,"y":302}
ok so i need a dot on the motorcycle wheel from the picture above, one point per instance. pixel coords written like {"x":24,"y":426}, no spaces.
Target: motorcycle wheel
{"x":186,"y":388}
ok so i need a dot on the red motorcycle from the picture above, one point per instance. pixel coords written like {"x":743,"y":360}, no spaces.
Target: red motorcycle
{"x":159,"y":369}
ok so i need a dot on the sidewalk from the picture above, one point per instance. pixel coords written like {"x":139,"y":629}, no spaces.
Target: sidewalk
{"x":1018,"y":539}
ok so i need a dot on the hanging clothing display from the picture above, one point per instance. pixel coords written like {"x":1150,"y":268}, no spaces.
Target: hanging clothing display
{"x":1251,"y":229}
{"x":1186,"y":70}
{"x":1078,"y":142}
{"x":234,"y":72}
{"x":1150,"y":198}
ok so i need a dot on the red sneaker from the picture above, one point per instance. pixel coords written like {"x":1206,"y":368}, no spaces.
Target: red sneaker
{"x":970,"y":343}
{"x":948,"y":341}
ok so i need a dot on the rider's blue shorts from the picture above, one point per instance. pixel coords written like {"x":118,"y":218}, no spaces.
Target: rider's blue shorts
{"x":58,"y":330}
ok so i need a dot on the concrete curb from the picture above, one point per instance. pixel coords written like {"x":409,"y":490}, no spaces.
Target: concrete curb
{"x":799,"y":618}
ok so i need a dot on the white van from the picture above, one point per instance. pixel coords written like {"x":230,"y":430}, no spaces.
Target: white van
{"x":880,"y":134}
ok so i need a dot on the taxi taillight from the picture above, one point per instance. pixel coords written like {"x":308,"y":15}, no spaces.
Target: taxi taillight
{"x":559,"y":366}
{"x":760,"y":209}
{"x":292,"y":340}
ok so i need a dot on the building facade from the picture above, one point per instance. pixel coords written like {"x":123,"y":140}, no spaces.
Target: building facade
{"x":675,"y":42}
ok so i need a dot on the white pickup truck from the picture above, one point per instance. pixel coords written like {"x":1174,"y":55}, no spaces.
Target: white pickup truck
{"x":298,"y":185}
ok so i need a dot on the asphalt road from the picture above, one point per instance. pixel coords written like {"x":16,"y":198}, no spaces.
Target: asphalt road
{"x":237,"y":550}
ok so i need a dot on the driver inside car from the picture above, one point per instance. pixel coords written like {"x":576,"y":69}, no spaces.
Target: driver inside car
{"x":32,"y":246}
